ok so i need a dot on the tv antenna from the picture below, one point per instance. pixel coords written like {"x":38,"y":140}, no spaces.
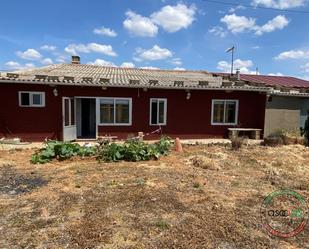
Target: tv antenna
{"x":232,"y":49}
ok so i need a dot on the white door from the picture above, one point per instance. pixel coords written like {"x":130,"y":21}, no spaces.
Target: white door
{"x":69,"y":119}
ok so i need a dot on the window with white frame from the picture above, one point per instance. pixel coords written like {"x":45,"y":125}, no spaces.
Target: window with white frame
{"x":115,"y":111}
{"x":31,"y":99}
{"x":224,"y":112}
{"x":158,"y":110}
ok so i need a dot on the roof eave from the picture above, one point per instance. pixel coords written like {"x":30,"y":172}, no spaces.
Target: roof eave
{"x":81,"y":84}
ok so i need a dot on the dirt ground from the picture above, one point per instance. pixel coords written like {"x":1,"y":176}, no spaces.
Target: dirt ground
{"x":175,"y":202}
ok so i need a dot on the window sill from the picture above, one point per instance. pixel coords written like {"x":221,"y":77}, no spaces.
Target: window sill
{"x":32,"y":106}
{"x":157,"y":124}
{"x":115,"y":124}
{"x":223,"y":124}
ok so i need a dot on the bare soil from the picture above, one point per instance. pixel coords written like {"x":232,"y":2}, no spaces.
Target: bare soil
{"x":206,"y":197}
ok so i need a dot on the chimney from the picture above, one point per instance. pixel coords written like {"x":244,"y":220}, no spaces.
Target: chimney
{"x":238,"y":74}
{"x":75,"y":59}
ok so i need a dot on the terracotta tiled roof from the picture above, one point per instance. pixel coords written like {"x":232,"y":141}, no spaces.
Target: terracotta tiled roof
{"x":272,"y":81}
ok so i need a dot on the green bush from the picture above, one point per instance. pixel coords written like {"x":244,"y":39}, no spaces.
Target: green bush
{"x":61,"y":151}
{"x":110,"y":152}
{"x":133,"y":150}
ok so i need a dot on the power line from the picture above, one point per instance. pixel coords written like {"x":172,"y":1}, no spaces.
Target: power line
{"x":257,"y":7}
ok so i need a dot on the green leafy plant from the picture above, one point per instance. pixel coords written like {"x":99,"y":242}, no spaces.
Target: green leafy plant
{"x":61,"y":151}
{"x":133,"y":150}
{"x":110,"y":152}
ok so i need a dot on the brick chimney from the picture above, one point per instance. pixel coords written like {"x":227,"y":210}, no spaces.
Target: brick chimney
{"x":75,"y":59}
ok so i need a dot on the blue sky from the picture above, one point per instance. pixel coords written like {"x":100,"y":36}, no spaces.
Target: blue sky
{"x":157,"y":34}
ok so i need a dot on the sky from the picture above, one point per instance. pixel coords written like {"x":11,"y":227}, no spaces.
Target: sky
{"x":165,"y":34}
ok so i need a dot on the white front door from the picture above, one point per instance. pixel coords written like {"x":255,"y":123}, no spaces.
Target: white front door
{"x":69,"y":119}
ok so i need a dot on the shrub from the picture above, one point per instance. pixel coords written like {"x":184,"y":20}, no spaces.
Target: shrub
{"x":110,"y":152}
{"x":275,"y":138}
{"x":281,"y":136}
{"x":236,"y":143}
{"x":61,"y":151}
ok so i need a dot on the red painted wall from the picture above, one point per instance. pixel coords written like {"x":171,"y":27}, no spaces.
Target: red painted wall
{"x":185,"y":118}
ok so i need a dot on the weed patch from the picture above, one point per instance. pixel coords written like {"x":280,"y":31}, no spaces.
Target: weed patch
{"x":162,"y":224}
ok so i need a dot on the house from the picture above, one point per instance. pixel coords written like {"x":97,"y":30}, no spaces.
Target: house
{"x":287,"y":105}
{"x":76,"y":101}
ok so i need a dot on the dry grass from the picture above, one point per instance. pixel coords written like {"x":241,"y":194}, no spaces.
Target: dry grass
{"x":175,"y":202}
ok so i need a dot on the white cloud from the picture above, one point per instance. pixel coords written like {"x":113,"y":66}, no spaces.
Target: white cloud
{"x":179,"y":69}
{"x":279,"y":4}
{"x":155,"y":53}
{"x":12,"y":64}
{"x":256,"y":47}
{"x":150,"y":67}
{"x":29,"y":65}
{"x":305,"y":67}
{"x":293,"y":54}
{"x":29,"y":54}
{"x":127,"y":65}
{"x":218,"y":31}
{"x":47,"y":61}
{"x":105,"y":31}
{"x":239,"y":24}
{"x":17,"y":66}
{"x":75,"y":49}
{"x":174,"y":18}
{"x":48,"y":47}
{"x":176,"y":61}
{"x":275,"y":74}
{"x":100,"y":62}
{"x":279,"y":22}
{"x":243,"y":65}
{"x":61,"y":59}
{"x":139,"y":26}
{"x":239,"y":7}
